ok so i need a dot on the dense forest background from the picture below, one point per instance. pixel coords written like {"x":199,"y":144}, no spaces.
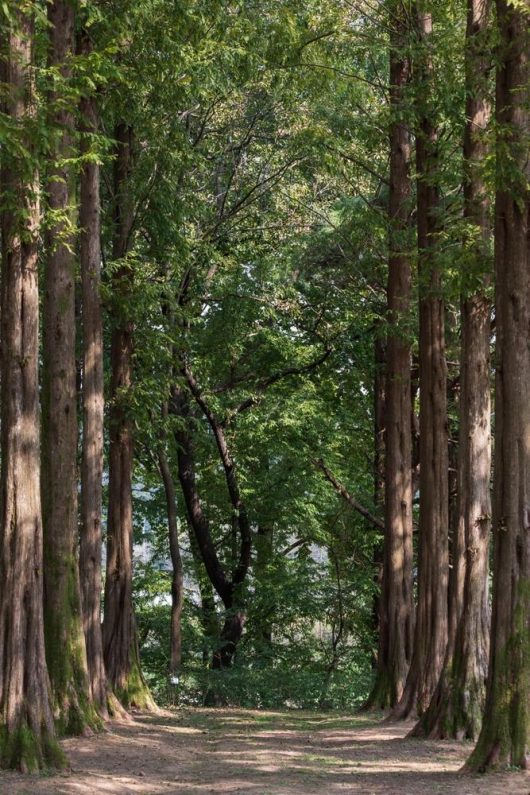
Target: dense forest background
{"x":248,"y":255}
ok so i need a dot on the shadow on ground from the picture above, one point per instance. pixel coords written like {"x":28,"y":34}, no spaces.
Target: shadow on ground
{"x":262,"y":753}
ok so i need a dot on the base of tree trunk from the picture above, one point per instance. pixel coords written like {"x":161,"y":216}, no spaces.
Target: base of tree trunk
{"x":28,"y":752}
{"x":135,"y":693}
{"x":455,"y":711}
{"x":382,"y":694}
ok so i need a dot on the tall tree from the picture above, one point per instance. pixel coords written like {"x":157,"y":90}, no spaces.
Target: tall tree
{"x":65,"y":641}
{"x":92,"y":396}
{"x":458,"y":702}
{"x":505,"y":734}
{"x":397,"y":606}
{"x":120,"y":641}
{"x":430,"y":636}
{"x":27,"y":732}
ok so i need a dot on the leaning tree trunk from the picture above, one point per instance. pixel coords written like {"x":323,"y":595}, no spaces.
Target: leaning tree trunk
{"x":505,"y":734}
{"x":120,"y":639}
{"x":93,"y":403}
{"x":65,"y":641}
{"x":27,"y":732}
{"x":177,"y":579}
{"x":458,"y":703}
{"x":430,"y":636}
{"x":397,"y":606}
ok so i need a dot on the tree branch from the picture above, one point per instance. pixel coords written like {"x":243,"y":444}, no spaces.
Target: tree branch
{"x":345,"y":494}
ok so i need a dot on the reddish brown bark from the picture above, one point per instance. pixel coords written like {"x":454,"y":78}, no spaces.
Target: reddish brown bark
{"x":93,"y":402}
{"x":430,"y":636}
{"x":505,"y":733}
{"x":120,"y":641}
{"x":397,"y":607}
{"x":65,"y":642}
{"x":457,"y":705}
{"x":27,"y":732}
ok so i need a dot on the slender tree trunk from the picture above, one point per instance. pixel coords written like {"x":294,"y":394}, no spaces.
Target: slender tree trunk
{"x":378,"y":604}
{"x":228,"y":588}
{"x":264,"y":557}
{"x":65,"y":641}
{"x":177,"y":580}
{"x":120,"y":640}
{"x":430,"y":637}
{"x":458,"y":703}
{"x":505,"y":734}
{"x":92,"y":403}
{"x":27,"y":732}
{"x":208,"y":612}
{"x":397,"y":606}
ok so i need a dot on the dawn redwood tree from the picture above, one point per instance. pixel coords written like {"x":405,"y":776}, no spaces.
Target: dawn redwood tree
{"x":458,"y":703}
{"x":397,"y":607}
{"x":92,"y":397}
{"x":430,"y":636}
{"x":27,"y":731}
{"x":120,"y":639}
{"x":505,"y":735}
{"x":65,"y":641}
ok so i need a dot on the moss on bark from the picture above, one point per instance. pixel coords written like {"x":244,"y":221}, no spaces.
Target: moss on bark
{"x":24,"y":750}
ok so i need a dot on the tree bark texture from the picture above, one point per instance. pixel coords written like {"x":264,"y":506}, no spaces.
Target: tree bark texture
{"x":65,"y":641}
{"x":92,"y":403}
{"x":120,"y":640}
{"x":431,"y":630}
{"x":505,"y":733}
{"x":397,"y":606}
{"x":27,"y":732}
{"x":458,"y":703}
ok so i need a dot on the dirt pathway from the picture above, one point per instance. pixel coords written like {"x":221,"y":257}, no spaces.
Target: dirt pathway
{"x":262,"y":753}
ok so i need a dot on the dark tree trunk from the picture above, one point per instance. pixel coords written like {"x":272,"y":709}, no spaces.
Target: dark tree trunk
{"x":505,"y":735}
{"x":27,"y":732}
{"x":397,"y":607}
{"x":458,"y":703}
{"x":120,"y":640}
{"x":378,"y":604}
{"x":229,"y":589}
{"x":208,"y":611}
{"x":63,"y":625}
{"x":177,"y":580}
{"x":264,"y":557}
{"x":92,"y":403}
{"x":430,"y":637}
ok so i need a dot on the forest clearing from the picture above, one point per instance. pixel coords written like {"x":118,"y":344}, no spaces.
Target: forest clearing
{"x":263,"y":753}
{"x":265,"y":396}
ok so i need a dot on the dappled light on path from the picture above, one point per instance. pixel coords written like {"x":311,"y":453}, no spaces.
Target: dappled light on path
{"x":262,"y":753}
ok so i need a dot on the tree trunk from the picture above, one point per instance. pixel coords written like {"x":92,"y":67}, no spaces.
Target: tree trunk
{"x":264,"y":558}
{"x":65,"y":641}
{"x":120,"y":640}
{"x":458,"y":703}
{"x":93,"y":404}
{"x":505,"y":734}
{"x":177,"y":580}
{"x":397,"y":607}
{"x":27,"y":732}
{"x":228,"y":588}
{"x":430,"y":637}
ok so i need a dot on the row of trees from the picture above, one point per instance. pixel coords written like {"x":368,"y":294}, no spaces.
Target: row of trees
{"x":440,"y":671}
{"x":268,"y":189}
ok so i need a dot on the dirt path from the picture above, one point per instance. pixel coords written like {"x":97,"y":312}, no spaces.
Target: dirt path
{"x":262,"y":753}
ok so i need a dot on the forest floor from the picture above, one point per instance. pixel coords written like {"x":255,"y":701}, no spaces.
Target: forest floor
{"x":261,"y":753}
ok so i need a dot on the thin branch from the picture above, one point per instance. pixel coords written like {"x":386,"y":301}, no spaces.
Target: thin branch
{"x":345,"y":494}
